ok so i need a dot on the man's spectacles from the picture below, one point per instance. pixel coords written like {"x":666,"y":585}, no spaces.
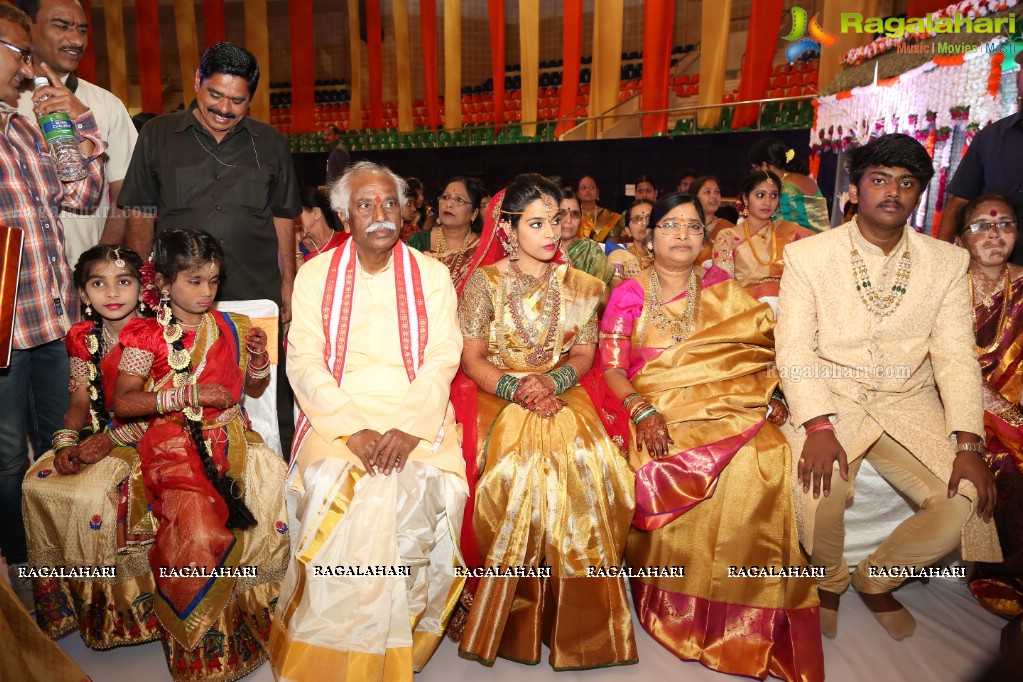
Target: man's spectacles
{"x":639,"y":220}
{"x":982,"y":226}
{"x":24,"y":53}
{"x":457,"y":199}
{"x":693,"y":227}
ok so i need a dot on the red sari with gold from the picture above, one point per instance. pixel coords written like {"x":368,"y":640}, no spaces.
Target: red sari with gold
{"x":215,"y":587}
{"x":999,"y":325}
{"x":722,"y":498}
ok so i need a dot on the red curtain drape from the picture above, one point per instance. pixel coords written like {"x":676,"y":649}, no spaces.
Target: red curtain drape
{"x":87,"y":67}
{"x":919,"y":8}
{"x":496,"y":15}
{"x":214,"y":25}
{"x":658,"y":26}
{"x":756,"y":65}
{"x":375,"y":56}
{"x":428,"y":30}
{"x":147,"y":17}
{"x":572,"y":50}
{"x":303,"y":66}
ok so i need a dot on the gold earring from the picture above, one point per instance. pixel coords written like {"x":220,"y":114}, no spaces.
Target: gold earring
{"x":88,"y":310}
{"x":513,"y":250}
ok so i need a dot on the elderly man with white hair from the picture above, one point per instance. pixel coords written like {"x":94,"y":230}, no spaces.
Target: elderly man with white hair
{"x":377,"y":484}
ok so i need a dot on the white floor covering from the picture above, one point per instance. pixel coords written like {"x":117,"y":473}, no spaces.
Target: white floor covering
{"x":955,"y":639}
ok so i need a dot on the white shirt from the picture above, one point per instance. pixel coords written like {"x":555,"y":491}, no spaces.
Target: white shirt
{"x":83,"y":230}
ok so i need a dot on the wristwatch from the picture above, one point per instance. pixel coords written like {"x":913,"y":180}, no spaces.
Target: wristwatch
{"x":971,"y":447}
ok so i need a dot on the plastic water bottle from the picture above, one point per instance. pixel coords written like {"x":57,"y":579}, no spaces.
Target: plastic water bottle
{"x":59,"y":132}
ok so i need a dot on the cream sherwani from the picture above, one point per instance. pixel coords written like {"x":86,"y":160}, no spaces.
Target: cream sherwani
{"x":911,"y":375}
{"x":371,"y":627}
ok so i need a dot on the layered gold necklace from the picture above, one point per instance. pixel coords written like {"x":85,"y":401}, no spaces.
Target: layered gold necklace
{"x":676,"y":328}
{"x":878,"y":303}
{"x":442,"y":250}
{"x":536,"y":334}
{"x":1003,"y":316}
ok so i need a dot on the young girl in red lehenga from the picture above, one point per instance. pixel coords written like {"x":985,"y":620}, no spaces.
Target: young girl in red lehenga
{"x":75,"y":496}
{"x":214,"y":490}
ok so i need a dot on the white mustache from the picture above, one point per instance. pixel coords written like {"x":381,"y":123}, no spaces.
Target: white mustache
{"x":381,"y":225}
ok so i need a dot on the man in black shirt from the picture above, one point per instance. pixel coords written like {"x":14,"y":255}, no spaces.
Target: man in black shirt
{"x":338,"y":159}
{"x":211,"y":167}
{"x":993,"y":163}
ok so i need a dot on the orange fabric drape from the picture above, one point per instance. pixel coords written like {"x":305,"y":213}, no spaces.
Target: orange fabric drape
{"x":831,"y":20}
{"x":658,"y":27}
{"x":375,"y":62}
{"x":529,"y":58}
{"x":355,"y":84}
{"x":87,"y":66}
{"x":572,"y":50}
{"x":608,"y":18}
{"x":214,"y":25}
{"x":188,"y":46}
{"x":117,"y":63}
{"x":452,"y":64}
{"x":428,"y":30}
{"x":404,"y":65}
{"x":714,"y":24}
{"x":257,"y":41}
{"x":756,"y":65}
{"x":303,"y":66}
{"x":495,"y":13}
{"x":147,"y":16}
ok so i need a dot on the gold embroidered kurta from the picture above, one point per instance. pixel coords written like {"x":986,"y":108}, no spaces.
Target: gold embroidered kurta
{"x":912,"y":374}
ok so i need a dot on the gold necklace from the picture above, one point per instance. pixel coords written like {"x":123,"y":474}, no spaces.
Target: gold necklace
{"x":878,"y":304}
{"x":771,"y":242}
{"x":442,"y":250}
{"x":1003,"y":316}
{"x":677,"y":328}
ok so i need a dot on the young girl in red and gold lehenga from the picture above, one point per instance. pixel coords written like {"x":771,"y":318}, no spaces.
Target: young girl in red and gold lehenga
{"x":214,"y":490}
{"x":76,"y":495}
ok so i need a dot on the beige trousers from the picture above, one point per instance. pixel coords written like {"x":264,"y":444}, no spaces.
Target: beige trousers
{"x":919,"y":541}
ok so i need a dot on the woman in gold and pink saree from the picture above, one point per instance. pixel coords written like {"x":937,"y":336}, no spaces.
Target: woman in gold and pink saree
{"x":553,"y":492}
{"x":690,"y":354}
{"x":988,"y":229}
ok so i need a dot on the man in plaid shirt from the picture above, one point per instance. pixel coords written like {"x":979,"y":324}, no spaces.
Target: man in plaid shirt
{"x":34,"y":389}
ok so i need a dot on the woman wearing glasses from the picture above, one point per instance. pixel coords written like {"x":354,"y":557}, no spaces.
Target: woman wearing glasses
{"x":585,"y":254}
{"x":634,"y":258}
{"x":453,"y":240}
{"x":553,"y":490}
{"x":988,"y":229}
{"x":751,"y":252}
{"x":689,"y":354}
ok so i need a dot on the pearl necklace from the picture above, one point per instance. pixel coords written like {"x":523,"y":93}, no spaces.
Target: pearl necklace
{"x":878,"y":304}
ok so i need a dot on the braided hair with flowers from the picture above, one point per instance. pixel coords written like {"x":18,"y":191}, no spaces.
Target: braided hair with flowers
{"x":176,"y":251}
{"x":126,"y":259}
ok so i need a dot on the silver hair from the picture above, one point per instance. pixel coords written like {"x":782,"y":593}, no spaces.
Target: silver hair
{"x":340,"y":191}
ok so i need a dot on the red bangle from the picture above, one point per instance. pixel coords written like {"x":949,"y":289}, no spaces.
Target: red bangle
{"x":823,"y":426}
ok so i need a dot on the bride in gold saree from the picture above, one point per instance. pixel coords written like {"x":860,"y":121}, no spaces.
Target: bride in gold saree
{"x":690,"y":354}
{"x":554,"y":492}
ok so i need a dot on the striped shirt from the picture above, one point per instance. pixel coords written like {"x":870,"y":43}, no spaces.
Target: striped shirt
{"x":31,"y":198}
